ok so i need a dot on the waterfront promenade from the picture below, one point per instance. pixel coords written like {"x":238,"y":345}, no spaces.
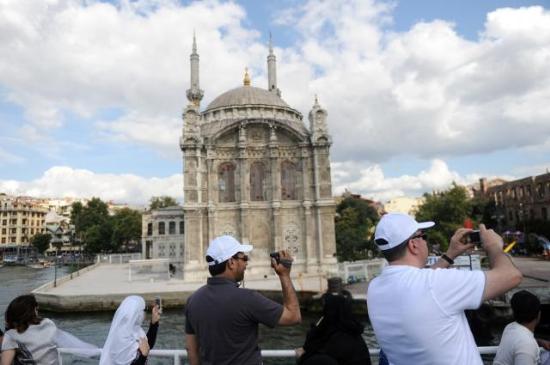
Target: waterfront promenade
{"x":103,"y":286}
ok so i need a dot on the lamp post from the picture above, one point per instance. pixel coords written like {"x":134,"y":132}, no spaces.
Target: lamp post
{"x":55,"y":271}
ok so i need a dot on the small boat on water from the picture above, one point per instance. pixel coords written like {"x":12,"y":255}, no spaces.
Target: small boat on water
{"x":40,"y":265}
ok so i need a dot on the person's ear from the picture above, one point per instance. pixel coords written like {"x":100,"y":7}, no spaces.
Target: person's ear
{"x":413,"y":246}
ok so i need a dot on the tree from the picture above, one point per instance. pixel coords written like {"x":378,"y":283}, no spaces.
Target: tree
{"x":164,"y":201}
{"x":41,"y":241}
{"x":484,"y":210}
{"x":93,"y":225}
{"x":354,"y":224}
{"x":449,"y":209}
{"x":76,"y":212}
{"x":126,"y":228}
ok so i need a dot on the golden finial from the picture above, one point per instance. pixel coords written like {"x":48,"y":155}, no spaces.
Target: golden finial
{"x":246,"y":80}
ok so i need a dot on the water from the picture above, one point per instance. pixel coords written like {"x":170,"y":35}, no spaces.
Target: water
{"x":94,"y":327}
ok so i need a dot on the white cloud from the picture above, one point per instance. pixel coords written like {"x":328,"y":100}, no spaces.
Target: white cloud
{"x":426,"y":92}
{"x":371,"y":182}
{"x":384,"y":91}
{"x":63,"y":181}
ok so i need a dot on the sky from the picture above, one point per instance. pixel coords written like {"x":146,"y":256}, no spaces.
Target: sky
{"x":419,"y":93}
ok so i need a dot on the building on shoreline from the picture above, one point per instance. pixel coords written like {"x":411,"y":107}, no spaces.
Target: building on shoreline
{"x":162,"y":235}
{"x":20,"y":219}
{"x":253,"y":170}
{"x":519,"y":200}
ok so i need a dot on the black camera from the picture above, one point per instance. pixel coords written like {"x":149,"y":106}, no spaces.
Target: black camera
{"x":473,"y":237}
{"x":285,"y":262}
{"x":276,"y":256}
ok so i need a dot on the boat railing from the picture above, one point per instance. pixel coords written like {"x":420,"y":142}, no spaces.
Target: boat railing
{"x":178,"y":355}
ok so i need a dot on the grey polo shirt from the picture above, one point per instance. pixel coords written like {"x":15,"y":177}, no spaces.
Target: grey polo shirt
{"x":225,"y":320}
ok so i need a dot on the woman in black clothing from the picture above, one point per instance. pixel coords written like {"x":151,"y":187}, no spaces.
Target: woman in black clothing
{"x":127,"y":343}
{"x":337,"y":336}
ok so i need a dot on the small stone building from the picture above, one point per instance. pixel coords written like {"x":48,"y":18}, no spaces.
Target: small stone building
{"x":253,"y":170}
{"x":162,"y":234}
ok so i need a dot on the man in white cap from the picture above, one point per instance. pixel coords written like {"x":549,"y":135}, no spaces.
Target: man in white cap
{"x":222,"y":319}
{"x":417,"y":313}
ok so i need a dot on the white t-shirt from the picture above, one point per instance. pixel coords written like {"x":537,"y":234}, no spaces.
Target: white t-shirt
{"x":36,"y":343}
{"x":418,"y":314}
{"x":517,"y":347}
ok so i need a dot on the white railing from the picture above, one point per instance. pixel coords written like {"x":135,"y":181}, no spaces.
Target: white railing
{"x":362,"y":270}
{"x":177,"y":355}
{"x":120,"y":258}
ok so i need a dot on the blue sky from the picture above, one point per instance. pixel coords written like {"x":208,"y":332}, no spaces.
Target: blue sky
{"x":419,"y":93}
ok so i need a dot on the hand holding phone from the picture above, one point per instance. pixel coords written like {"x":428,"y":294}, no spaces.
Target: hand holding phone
{"x":158,"y":303}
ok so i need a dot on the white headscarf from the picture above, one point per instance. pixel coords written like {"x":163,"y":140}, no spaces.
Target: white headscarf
{"x":122,"y":342}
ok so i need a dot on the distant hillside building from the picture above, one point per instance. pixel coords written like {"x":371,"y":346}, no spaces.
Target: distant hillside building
{"x":379,"y":207}
{"x":20,"y":219}
{"x":63,"y":234}
{"x":163,"y":233}
{"x":253,"y":170}
{"x":519,"y":200}
{"x":403,"y":204}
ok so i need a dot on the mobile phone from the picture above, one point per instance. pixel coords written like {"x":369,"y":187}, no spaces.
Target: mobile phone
{"x":474,"y":237}
{"x":158,"y":301}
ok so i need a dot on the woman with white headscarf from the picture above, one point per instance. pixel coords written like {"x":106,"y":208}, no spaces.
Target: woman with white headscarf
{"x":127,"y":343}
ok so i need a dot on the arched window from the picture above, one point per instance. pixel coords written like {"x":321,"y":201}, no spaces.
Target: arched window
{"x":226,"y":182}
{"x":257,"y":177}
{"x":288,"y":181}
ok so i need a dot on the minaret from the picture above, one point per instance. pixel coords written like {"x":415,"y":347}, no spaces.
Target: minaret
{"x":272,"y":70}
{"x":194,"y":93}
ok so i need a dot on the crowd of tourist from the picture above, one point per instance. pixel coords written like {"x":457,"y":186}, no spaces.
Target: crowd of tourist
{"x":417,"y":313}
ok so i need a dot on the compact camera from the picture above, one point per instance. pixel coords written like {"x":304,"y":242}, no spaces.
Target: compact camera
{"x":284,"y":262}
{"x":473,"y":237}
{"x":276,"y":256}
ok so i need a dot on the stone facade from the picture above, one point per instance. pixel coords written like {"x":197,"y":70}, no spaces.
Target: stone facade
{"x":519,"y":200}
{"x":163,"y":233}
{"x":253,"y":170}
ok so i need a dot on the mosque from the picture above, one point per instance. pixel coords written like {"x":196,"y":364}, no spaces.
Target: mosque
{"x":253,"y":170}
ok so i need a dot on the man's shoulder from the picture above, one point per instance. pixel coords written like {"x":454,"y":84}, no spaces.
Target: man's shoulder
{"x":197,"y":293}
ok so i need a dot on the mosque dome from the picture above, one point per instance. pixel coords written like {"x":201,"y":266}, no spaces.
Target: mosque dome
{"x":249,"y":96}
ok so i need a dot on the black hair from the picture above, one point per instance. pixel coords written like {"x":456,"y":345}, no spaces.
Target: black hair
{"x":338,"y":312}
{"x":21,"y":313}
{"x":525,"y":305}
{"x":394,"y":253}
{"x":216,"y":269}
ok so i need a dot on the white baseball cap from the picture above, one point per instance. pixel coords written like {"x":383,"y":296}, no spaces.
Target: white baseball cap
{"x":223,"y":247}
{"x":394,"y":228}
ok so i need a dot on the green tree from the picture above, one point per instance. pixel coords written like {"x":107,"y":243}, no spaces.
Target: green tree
{"x":484,"y":210}
{"x":354,"y":224}
{"x":126,"y":228}
{"x":93,"y":225}
{"x":449,"y":209}
{"x":76,"y":212}
{"x":41,"y":241}
{"x":164,"y":201}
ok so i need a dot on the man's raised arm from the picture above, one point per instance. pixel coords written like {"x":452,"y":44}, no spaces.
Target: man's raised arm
{"x":503,"y":275}
{"x":291,"y":311}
